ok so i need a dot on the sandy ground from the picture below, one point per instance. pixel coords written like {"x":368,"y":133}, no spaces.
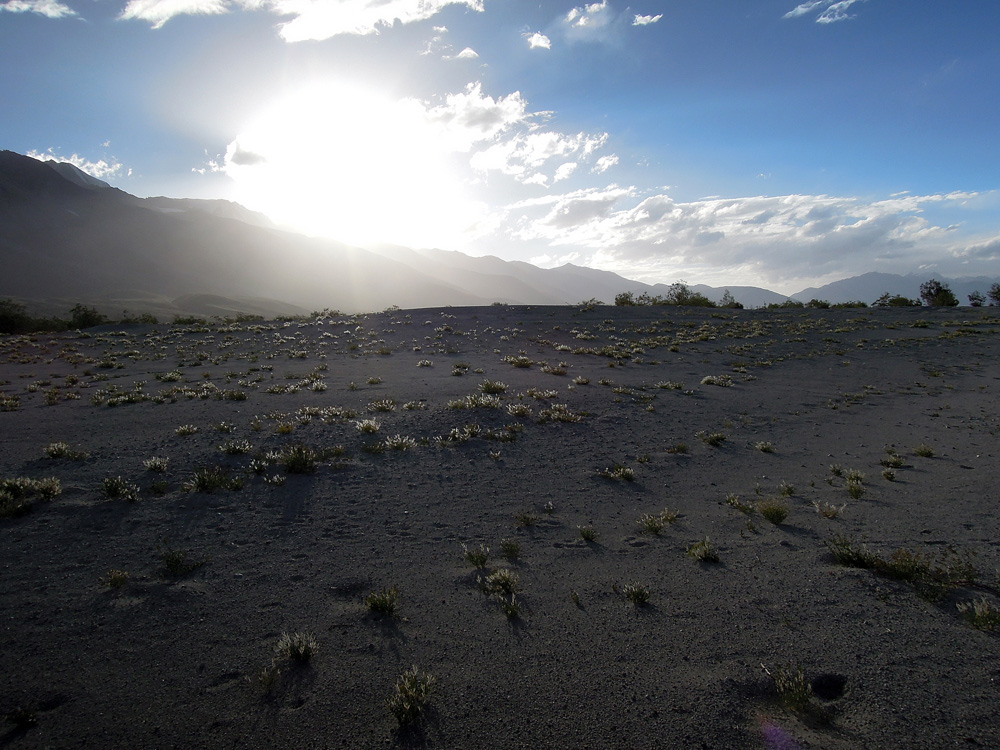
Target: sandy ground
{"x":178,"y":660}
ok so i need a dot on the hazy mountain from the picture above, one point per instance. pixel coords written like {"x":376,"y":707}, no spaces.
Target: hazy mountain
{"x":66,"y":237}
{"x":870,"y":286}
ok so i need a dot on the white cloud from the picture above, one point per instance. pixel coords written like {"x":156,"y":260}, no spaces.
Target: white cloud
{"x":101,"y":169}
{"x":47,"y":8}
{"x":523,"y":155}
{"x":466,"y":54}
{"x":537,"y":40}
{"x":563,"y":171}
{"x":471,"y":117}
{"x":311,"y":19}
{"x":778,"y":240}
{"x":830,"y":10}
{"x":158,"y":12}
{"x":646,"y":20}
{"x":605,"y":163}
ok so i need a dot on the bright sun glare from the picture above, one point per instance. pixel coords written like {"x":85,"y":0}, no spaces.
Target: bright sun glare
{"x":342,"y":162}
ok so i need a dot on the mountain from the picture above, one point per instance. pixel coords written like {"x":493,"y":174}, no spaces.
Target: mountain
{"x":66,"y":237}
{"x":870,"y":286}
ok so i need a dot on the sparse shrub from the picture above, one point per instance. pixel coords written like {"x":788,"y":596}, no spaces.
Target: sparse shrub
{"x":476,"y":556}
{"x":493,"y":387}
{"x":63,"y":450}
{"x":714,"y":439}
{"x":764,"y":446}
{"x":208,"y":479}
{"x":299,"y":647}
{"x":526,"y":519}
{"x":733,"y":501}
{"x":186,"y":429}
{"x":384,"y":405}
{"x":678,"y":448}
{"x":855,"y":489}
{"x":786,"y":489}
{"x":618,"y":471}
{"x":367,"y":426}
{"x":177,"y":562}
{"x":793,"y":688}
{"x":924,"y":451}
{"x":236,"y":447}
{"x":703,"y":551}
{"x":511,"y":549}
{"x":115,"y":579}
{"x":849,"y":554}
{"x":653,"y":523}
{"x":384,"y":601}
{"x":828,"y":510}
{"x":724,"y":381}
{"x":399,"y":442}
{"x":980,"y":614}
{"x":581,"y":380}
{"x":773,"y":509}
{"x":156,"y":464}
{"x":373,"y":380}
{"x":500,"y":581}
{"x":587,"y":533}
{"x":558,"y":413}
{"x":509,"y":605}
{"x":889,"y":475}
{"x":410,"y":696}
{"x":636,"y":593}
{"x":114,"y":488}
{"x":519,"y":410}
{"x":299,"y":459}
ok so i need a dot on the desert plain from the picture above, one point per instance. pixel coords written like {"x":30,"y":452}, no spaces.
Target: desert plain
{"x":720,"y":529}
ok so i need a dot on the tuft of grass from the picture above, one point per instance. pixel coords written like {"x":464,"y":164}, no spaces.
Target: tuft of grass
{"x":511,"y":549}
{"x":114,"y":488}
{"x":525,"y":519}
{"x":367,"y":426}
{"x":299,"y":459}
{"x":850,"y":554}
{"x":384,"y":601}
{"x":703,"y":551}
{"x":924,"y":451}
{"x":177,"y":562}
{"x":298,"y":647}
{"x":236,"y":447}
{"x":714,"y":439}
{"x":980,"y":614}
{"x":477,"y":557}
{"x":156,"y":464}
{"x":836,"y":470}
{"x":509,"y":605}
{"x":115,"y":579}
{"x":828,"y":510}
{"x":636,"y":593}
{"x":679,"y":448}
{"x":410,"y":696}
{"x":653,"y":523}
{"x":764,"y":446}
{"x":500,"y":581}
{"x":792,"y":686}
{"x":787,"y":489}
{"x":855,"y":489}
{"x":773,"y":509}
{"x":493,"y":387}
{"x":724,"y":381}
{"x":186,"y":429}
{"x":889,"y":475}
{"x":733,"y":501}
{"x":208,"y":479}
{"x":618,"y":471}
{"x":63,"y":450}
{"x":587,"y":533}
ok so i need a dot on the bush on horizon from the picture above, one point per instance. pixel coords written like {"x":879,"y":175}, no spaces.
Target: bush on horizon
{"x":936,"y":294}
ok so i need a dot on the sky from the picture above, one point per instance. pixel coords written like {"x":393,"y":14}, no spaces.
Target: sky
{"x":728,"y":142}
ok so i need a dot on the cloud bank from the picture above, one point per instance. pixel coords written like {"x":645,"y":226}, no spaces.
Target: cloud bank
{"x":47,"y":8}
{"x":311,"y":19}
{"x":828,"y":11}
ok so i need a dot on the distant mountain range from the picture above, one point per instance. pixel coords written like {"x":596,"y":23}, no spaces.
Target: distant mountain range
{"x":66,"y":237}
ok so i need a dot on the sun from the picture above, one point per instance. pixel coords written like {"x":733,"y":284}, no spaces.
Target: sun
{"x":346,"y":162}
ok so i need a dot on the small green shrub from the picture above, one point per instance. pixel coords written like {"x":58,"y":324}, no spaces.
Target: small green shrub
{"x":980,"y":614}
{"x":476,"y":556}
{"x":114,"y":488}
{"x":115,"y":579}
{"x":500,"y":581}
{"x":773,"y":509}
{"x":63,"y":450}
{"x":764,"y":446}
{"x":298,"y":647}
{"x":618,"y":471}
{"x":177,"y":562}
{"x":636,"y":593}
{"x":653,"y":523}
{"x":793,"y":688}
{"x":410,"y":696}
{"x":587,"y":533}
{"x":924,"y":451}
{"x":384,"y":601}
{"x":511,"y":549}
{"x":714,"y":439}
{"x":703,"y":551}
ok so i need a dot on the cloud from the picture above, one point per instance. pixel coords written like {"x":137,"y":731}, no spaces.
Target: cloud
{"x":311,"y":19}
{"x":523,"y":155}
{"x":158,"y":12}
{"x":47,"y":8}
{"x":605,"y":163}
{"x":466,"y":54}
{"x":590,"y":22}
{"x":646,"y":20}
{"x":470,"y":117}
{"x":101,"y":169}
{"x":766,"y":240}
{"x":830,"y":10}
{"x":537,"y":40}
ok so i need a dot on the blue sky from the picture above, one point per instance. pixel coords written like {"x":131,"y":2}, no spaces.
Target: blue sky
{"x":772,"y":143}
